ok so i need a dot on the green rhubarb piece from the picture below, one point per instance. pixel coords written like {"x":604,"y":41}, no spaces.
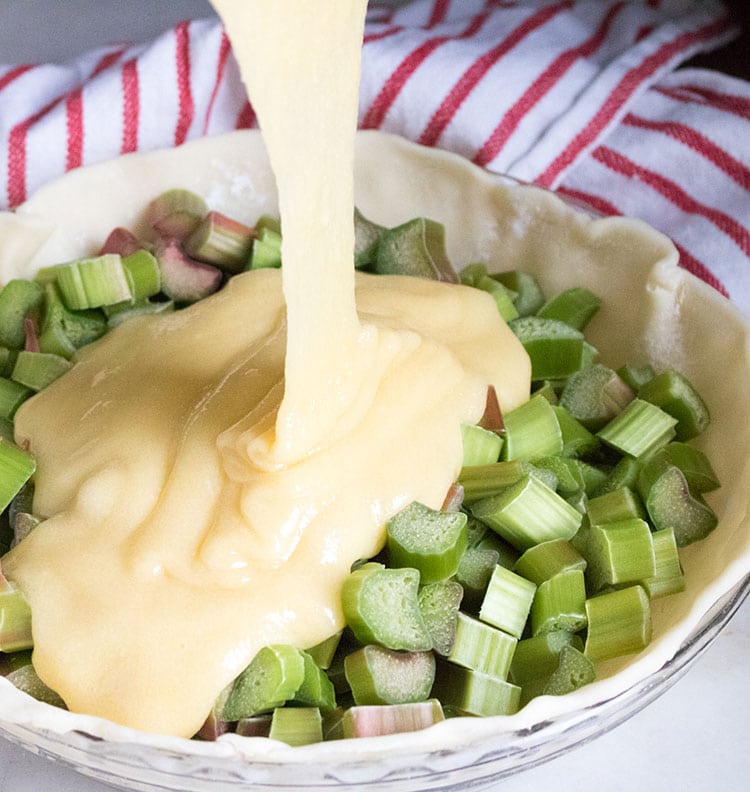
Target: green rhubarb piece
{"x":636,"y":376}
{"x":507,"y":554}
{"x":7,"y":361}
{"x":502,"y":296}
{"x":619,"y":553}
{"x":529,"y":295}
{"x":507,"y":601}
{"x":639,"y":429}
{"x":45,"y":275}
{"x":568,"y":474}
{"x":144,"y":276}
{"x":481,"y":647}
{"x":366,"y":240}
{"x":333,"y":724}
{"x":416,"y":248}
{"x":439,"y":603}
{"x":527,"y":513}
{"x":592,"y":476}
{"x":595,"y":395}
{"x":427,"y":540}
{"x":174,"y":213}
{"x":316,"y":689}
{"x":27,"y":680}
{"x":619,"y":623}
{"x":554,"y":348}
{"x":6,"y":429}
{"x":618,"y":504}
{"x":536,"y":659}
{"x":335,"y":670}
{"x":560,"y":603}
{"x":670,"y":504}
{"x":548,"y":390}
{"x":580,"y":541}
{"x":93,"y":282}
{"x":623,"y":474}
{"x":574,"y":670}
{"x":474,"y":572}
{"x":266,"y":249}
{"x":221,"y":241}
{"x":532,"y":431}
{"x":481,"y":446}
{"x":472,"y":273}
{"x":543,"y":561}
{"x":693,"y":463}
{"x":323,"y":653}
{"x":675,"y":395}
{"x":296,"y":725}
{"x":63,"y":331}
{"x":15,"y":619}
{"x":382,"y":720}
{"x":481,"y":481}
{"x":381,"y":606}
{"x":576,"y":307}
{"x":268,"y":222}
{"x":382,"y":676}
{"x":478,"y":563}
{"x":37,"y":370}
{"x":12,"y":396}
{"x":475,"y":693}
{"x":477,"y":275}
{"x":271,"y":679}
{"x":18,"y":299}
{"x":589,"y":355}
{"x":116,"y":315}
{"x":577,"y":440}
{"x":475,"y":531}
{"x":578,"y":501}
{"x":668,"y":577}
{"x":16,"y":468}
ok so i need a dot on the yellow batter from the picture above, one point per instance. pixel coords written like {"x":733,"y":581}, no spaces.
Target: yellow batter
{"x":211,"y":475}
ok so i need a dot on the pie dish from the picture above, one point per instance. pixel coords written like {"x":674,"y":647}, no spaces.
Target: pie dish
{"x":652,"y":310}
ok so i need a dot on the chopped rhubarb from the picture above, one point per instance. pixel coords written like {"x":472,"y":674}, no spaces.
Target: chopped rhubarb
{"x":175,"y":213}
{"x":120,"y":241}
{"x":492,"y":419}
{"x":29,"y":331}
{"x":183,"y":278}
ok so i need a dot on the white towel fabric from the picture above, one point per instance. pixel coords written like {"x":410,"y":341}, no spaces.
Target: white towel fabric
{"x":581,"y":96}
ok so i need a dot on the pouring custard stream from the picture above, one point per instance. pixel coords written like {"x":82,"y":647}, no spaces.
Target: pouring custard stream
{"x":219,"y":469}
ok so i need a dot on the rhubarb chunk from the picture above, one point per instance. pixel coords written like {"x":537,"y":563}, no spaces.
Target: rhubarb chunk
{"x":183,"y":279}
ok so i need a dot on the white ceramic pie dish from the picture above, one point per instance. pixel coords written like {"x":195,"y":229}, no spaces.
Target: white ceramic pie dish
{"x":652,"y":310}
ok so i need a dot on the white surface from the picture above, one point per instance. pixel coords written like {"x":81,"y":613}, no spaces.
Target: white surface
{"x":693,"y":738}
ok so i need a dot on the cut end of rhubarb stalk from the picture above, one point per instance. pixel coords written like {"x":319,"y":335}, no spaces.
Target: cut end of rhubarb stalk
{"x":120,"y":241}
{"x":175,"y":213}
{"x":492,"y":419}
{"x":221,"y":241}
{"x":182,"y":278}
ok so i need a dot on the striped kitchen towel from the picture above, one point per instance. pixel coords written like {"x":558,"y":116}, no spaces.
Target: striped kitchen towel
{"x":580,"y":96}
